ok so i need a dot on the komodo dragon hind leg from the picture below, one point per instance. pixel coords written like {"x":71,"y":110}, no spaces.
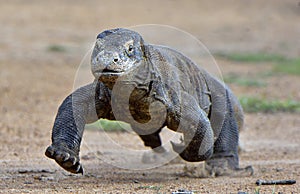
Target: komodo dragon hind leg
{"x":225,"y":160}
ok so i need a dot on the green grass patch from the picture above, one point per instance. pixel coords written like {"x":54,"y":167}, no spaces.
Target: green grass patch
{"x":107,"y":125}
{"x":243,"y":81}
{"x":282,"y":64}
{"x":252,"y":57}
{"x":288,"y":67}
{"x":254,"y":104}
{"x":256,"y":191}
{"x":56,"y":48}
{"x":150,"y":187}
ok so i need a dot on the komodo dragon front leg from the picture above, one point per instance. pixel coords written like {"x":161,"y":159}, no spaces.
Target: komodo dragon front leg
{"x":198,"y":138}
{"x":75,"y":111}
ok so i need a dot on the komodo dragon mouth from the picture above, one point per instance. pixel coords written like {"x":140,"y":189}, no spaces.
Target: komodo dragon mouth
{"x":116,"y":71}
{"x":110,"y":71}
{"x":109,"y":77}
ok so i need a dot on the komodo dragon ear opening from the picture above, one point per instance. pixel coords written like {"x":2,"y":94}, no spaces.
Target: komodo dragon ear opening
{"x":107,"y":32}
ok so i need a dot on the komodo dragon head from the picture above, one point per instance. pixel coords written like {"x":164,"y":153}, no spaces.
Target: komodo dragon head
{"x":116,"y":52}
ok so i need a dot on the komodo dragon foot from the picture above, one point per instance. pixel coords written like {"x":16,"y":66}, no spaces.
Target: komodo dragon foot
{"x":65,"y":157}
{"x":215,"y":167}
{"x":225,"y":167}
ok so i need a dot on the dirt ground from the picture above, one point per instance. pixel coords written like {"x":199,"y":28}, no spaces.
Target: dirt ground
{"x":43,"y":42}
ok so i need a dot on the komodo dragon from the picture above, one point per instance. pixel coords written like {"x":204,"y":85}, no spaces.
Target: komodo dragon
{"x":150,"y":87}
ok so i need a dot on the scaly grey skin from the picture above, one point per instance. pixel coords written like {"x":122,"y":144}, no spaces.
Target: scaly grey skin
{"x":150,"y":87}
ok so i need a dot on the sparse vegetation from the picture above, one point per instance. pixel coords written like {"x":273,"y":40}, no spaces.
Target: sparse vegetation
{"x":108,"y":125}
{"x":288,"y":67}
{"x":252,"y":57}
{"x":244,"y":81}
{"x":254,"y":104}
{"x":56,"y":48}
{"x":281,"y":63}
{"x":257,"y":189}
{"x":150,"y":187}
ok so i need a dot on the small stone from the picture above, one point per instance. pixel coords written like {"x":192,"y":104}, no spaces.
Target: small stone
{"x":89,"y":156}
{"x":135,"y":181}
{"x":183,"y":191}
{"x":49,"y":178}
{"x":279,"y":169}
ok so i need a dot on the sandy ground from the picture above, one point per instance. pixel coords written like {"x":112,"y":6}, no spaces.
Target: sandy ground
{"x":34,"y":80}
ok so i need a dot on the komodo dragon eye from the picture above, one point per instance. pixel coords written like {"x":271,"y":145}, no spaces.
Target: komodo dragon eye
{"x":129,"y":47}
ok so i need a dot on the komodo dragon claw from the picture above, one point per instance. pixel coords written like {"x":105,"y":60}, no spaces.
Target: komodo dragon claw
{"x":65,"y":159}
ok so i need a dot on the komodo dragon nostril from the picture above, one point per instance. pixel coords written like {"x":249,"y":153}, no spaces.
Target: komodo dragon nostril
{"x":116,"y":60}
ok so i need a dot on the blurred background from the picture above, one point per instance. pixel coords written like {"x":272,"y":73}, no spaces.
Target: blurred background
{"x":255,"y":43}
